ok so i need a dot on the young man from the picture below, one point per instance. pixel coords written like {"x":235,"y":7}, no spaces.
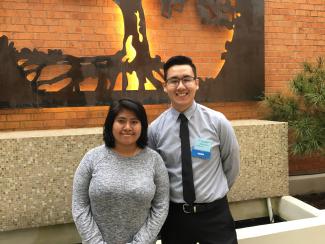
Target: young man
{"x":201,"y":153}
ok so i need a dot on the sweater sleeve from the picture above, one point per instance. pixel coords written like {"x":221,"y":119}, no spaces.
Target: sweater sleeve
{"x":81,"y":211}
{"x":159,"y":206}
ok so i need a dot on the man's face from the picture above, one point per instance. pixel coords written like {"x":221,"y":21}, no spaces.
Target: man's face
{"x":181,"y":93}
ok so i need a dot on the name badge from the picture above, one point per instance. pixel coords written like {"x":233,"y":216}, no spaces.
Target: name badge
{"x":202,"y":148}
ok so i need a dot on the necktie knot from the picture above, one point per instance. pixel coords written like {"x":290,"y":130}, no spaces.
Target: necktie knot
{"x":182,"y":117}
{"x":183,"y":131}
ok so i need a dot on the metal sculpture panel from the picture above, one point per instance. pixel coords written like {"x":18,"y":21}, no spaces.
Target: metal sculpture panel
{"x":23,"y":83}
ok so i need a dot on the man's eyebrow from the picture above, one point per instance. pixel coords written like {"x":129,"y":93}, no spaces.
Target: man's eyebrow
{"x":179,"y":76}
{"x":175,"y":76}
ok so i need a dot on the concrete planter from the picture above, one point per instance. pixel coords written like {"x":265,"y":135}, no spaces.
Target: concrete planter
{"x":37,"y":168}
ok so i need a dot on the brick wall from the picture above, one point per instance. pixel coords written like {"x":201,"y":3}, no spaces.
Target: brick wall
{"x":294,"y":32}
{"x":59,"y":118}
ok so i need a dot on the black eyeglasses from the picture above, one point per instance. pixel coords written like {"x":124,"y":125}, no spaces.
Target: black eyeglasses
{"x":174,"y":81}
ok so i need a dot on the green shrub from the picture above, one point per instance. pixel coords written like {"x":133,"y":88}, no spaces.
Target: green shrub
{"x":304,"y":110}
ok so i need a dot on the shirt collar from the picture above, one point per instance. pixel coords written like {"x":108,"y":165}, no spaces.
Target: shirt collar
{"x":188,"y":112}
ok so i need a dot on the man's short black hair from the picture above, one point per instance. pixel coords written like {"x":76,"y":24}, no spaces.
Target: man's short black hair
{"x":114,"y":110}
{"x":178,"y":60}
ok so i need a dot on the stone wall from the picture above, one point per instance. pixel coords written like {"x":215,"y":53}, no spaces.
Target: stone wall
{"x":37,"y":167}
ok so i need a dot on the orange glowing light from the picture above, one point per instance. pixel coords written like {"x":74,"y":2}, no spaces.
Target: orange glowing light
{"x":219,"y":65}
{"x":138,"y":26}
{"x":21,"y":61}
{"x":118,"y":83}
{"x":31,"y":76}
{"x":237,"y":15}
{"x":230,"y":35}
{"x":148,"y":85}
{"x":55,"y":87}
{"x":229,"y":38}
{"x":131,"y":53}
{"x":119,"y":26}
{"x":88,"y":84}
{"x":158,"y":77}
{"x":133,"y":81}
{"x":30,"y":67}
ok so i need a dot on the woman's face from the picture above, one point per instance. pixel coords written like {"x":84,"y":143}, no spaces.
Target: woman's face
{"x":126,"y":128}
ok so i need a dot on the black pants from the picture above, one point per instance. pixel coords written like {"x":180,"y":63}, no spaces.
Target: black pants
{"x":214,"y":226}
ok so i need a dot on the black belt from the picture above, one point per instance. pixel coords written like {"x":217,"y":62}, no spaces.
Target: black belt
{"x":196,"y":207}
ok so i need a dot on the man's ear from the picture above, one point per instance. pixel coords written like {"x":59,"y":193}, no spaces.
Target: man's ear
{"x":164,"y":85}
{"x":197,"y":82}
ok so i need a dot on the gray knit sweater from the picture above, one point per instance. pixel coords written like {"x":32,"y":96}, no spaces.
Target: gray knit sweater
{"x":119,"y":200}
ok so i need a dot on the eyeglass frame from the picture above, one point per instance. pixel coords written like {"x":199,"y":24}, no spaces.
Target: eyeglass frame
{"x":179,"y":80}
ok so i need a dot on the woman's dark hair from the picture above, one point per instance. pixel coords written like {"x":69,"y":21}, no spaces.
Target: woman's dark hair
{"x":178,"y":60}
{"x":114,"y":110}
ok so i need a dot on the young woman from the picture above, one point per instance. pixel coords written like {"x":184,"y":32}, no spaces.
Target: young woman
{"x":121,"y":189}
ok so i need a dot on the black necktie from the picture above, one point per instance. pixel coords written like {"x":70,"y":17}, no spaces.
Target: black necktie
{"x":187,"y":172}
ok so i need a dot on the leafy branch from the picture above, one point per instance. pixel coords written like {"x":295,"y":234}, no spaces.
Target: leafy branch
{"x":304,"y":110}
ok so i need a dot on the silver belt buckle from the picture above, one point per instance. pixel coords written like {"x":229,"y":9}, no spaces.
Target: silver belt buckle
{"x":185,"y":211}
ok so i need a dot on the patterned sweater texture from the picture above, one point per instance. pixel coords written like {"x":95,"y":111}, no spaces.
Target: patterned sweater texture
{"x":119,"y":200}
